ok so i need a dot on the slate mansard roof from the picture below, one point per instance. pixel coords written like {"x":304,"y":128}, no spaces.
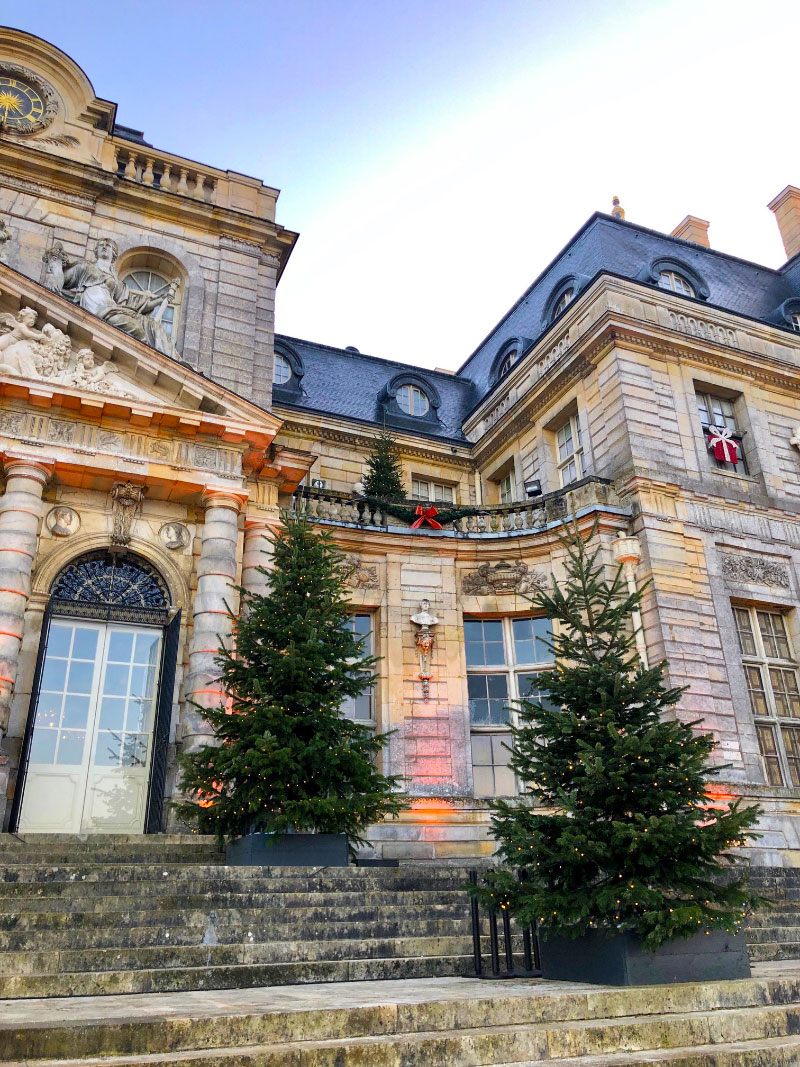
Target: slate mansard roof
{"x":347,"y":383}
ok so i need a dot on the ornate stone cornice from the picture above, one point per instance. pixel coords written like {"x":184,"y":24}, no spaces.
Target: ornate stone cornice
{"x":366,"y":441}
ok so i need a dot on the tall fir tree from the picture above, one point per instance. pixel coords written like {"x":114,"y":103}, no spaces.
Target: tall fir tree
{"x":631,"y":840}
{"x":384,"y":477}
{"x":285,"y":758}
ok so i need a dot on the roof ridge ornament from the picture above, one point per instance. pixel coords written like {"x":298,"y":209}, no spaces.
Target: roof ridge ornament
{"x":617,"y":211}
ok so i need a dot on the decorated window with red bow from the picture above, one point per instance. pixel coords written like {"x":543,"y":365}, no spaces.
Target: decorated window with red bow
{"x":723,"y":438}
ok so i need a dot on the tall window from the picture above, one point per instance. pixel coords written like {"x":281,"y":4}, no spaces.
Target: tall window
{"x":562,"y":303}
{"x":422,"y":489}
{"x":505,"y":488}
{"x":503,"y":657}
{"x":147,"y":280}
{"x":570,"y":451}
{"x":360,"y":708}
{"x":412,"y":400}
{"x":714,"y":411}
{"x":670,"y":279}
{"x":771,"y":673}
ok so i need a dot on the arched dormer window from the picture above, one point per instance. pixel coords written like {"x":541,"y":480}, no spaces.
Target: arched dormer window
{"x":561,"y":296}
{"x":677,"y":277}
{"x":508,"y":354}
{"x":411,"y":401}
{"x":287,"y":372}
{"x":788,"y":314}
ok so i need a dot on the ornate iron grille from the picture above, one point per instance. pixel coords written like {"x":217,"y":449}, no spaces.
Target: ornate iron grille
{"x":109,"y":585}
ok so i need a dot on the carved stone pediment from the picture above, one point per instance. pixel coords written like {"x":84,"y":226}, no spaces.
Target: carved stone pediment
{"x":502,"y":577}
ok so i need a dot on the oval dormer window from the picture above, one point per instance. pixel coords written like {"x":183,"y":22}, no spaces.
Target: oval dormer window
{"x":507,"y":364}
{"x":283,"y":369}
{"x":412,"y":400}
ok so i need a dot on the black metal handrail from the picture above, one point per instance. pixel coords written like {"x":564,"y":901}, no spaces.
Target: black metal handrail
{"x":531,"y":963}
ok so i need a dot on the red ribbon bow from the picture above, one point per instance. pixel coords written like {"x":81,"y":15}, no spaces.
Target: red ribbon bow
{"x":426,"y":515}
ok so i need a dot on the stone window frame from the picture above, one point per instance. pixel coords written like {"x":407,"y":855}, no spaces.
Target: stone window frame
{"x":292,"y":389}
{"x":674,"y":265}
{"x":512,"y":671}
{"x":507,"y":356}
{"x":574,"y":459}
{"x":780,"y":766}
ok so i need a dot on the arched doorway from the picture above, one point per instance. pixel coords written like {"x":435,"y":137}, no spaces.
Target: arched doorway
{"x":94,"y":754}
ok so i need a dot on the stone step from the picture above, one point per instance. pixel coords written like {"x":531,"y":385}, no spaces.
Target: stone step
{"x":774,"y":950}
{"x":495,"y":1044}
{"x":227,"y":934}
{"x":234,"y":976}
{"x":144,"y":915}
{"x":108,"y":848}
{"x":757,"y":935}
{"x":220,"y":955}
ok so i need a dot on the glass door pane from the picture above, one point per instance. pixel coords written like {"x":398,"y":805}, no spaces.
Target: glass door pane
{"x":60,"y":745}
{"x":116,"y":793}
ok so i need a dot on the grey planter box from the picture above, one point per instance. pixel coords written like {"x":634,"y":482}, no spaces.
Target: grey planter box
{"x":622,"y":961}
{"x":288,"y":850}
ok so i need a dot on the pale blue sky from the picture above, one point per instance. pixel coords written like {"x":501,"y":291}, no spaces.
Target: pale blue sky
{"x":436,"y":155}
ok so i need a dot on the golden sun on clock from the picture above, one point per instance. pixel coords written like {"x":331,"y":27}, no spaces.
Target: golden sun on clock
{"x":21,"y":106}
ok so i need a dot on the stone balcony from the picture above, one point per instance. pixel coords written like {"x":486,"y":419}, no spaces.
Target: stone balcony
{"x":147,"y":167}
{"x":489,"y":521}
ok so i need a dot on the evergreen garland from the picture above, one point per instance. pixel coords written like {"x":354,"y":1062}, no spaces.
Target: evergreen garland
{"x":632,"y":841}
{"x":408,"y":512}
{"x":284,"y":757}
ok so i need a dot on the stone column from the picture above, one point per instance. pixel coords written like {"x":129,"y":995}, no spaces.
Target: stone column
{"x":216,"y":576}
{"x":257,"y":553}
{"x":20,"y":510}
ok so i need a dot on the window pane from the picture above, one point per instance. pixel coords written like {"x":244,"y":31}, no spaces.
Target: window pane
{"x":755,"y":687}
{"x":84,"y":645}
{"x":530,"y":637}
{"x":70,"y":747}
{"x":484,"y":642}
{"x":528,"y":689}
{"x":76,"y":712}
{"x":43,"y":746}
{"x":769,"y":751}
{"x":791,"y":742}
{"x":58,"y":641}
{"x":443,"y":493}
{"x":773,"y":634}
{"x":491,"y":774}
{"x":120,"y":646}
{"x":784,"y":690}
{"x":488,"y":699}
{"x":744,"y":628}
{"x":420,"y":490}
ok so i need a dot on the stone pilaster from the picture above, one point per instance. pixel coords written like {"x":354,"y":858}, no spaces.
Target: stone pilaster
{"x":211,"y":623}
{"x":20,"y":511}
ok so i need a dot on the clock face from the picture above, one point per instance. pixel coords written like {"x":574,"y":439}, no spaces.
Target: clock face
{"x":21,"y":106}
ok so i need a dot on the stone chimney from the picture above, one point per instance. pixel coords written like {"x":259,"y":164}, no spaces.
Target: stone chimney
{"x":694,"y":230}
{"x":786,"y":209}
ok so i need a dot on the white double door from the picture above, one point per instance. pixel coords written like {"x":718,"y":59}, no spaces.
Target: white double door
{"x":90,"y":751}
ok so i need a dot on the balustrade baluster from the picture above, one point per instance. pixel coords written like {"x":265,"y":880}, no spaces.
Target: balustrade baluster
{"x":200,"y":187}
{"x":148,"y":177}
{"x":166,"y":178}
{"x":183,"y":185}
{"x":130,"y":167}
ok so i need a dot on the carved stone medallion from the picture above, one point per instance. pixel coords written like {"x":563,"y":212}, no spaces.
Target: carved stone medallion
{"x":754,"y":569}
{"x":361,"y":575}
{"x":174,"y":535}
{"x":503,"y":577}
{"x":62,"y":521}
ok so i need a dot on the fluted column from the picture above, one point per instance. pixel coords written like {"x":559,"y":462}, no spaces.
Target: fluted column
{"x":20,"y":511}
{"x":216,"y":576}
{"x":257,"y":553}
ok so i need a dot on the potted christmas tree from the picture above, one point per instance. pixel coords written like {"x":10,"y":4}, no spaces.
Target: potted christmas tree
{"x":289,"y":779}
{"x":628,"y":873}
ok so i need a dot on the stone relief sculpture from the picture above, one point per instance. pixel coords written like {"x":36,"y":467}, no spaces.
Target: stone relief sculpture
{"x":425,"y":639}
{"x":503,"y":577}
{"x":62,"y":521}
{"x":755,"y":569}
{"x":126,"y":500}
{"x":47,"y":354}
{"x":361,"y":575}
{"x":5,"y":237}
{"x":95,"y":286}
{"x":174,"y":535}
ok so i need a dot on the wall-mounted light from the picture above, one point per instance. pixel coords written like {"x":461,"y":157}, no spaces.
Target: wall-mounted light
{"x":533,"y":487}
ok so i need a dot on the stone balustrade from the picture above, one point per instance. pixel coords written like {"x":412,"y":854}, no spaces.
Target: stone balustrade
{"x":503,"y":520}
{"x":149,"y":168}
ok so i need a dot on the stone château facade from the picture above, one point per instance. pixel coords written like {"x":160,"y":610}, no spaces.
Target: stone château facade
{"x":152,"y":426}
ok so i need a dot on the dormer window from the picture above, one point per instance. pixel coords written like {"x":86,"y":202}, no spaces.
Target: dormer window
{"x":675,"y":282}
{"x":283,"y":369}
{"x":507,"y":364}
{"x":794,"y":321}
{"x":412,"y":401}
{"x":561,"y":304}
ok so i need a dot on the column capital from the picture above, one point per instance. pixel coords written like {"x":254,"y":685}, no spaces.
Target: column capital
{"x":25,"y":465}
{"x":223,"y":496}
{"x":253,"y":524}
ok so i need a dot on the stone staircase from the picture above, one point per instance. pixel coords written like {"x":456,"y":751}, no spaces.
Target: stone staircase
{"x":110,"y":915}
{"x":443,"y":1022}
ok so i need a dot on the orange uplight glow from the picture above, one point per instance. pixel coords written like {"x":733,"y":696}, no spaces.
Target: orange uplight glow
{"x":206,"y":800}
{"x":429,"y":811}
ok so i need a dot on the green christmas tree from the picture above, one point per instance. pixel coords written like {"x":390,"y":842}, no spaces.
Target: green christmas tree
{"x":285,"y":757}
{"x":384,"y":478}
{"x":631,"y":840}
